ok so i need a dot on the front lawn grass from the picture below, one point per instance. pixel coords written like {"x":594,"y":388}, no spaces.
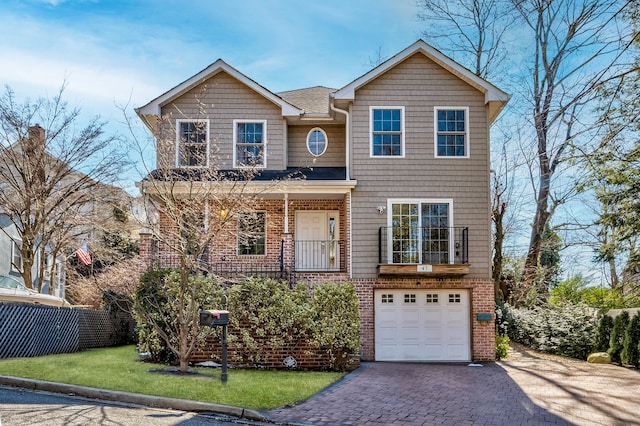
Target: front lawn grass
{"x":119,"y":369}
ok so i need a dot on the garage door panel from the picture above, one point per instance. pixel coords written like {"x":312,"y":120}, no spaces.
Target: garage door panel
{"x":424,"y":325}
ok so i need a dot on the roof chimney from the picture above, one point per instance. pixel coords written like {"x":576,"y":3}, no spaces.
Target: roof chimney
{"x":36,"y":134}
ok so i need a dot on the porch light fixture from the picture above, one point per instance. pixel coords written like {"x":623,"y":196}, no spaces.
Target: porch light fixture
{"x":381,"y":209}
{"x":223,"y":213}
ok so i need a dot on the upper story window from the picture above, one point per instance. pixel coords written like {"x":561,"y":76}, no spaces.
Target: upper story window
{"x":452,"y":132}
{"x":16,"y":256}
{"x":193,"y":143}
{"x":387,"y":131}
{"x":317,"y":141}
{"x":252,"y":233}
{"x":250,"y":143}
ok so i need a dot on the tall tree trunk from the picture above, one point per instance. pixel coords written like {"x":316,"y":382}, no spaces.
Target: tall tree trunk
{"x":498,"y":285}
{"x":540,"y":221}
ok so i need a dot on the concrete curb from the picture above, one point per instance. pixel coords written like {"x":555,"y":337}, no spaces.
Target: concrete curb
{"x":132,"y":398}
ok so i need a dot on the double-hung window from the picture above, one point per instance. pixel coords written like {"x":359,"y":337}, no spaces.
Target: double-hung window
{"x":387,"y":131}
{"x":420,"y":231}
{"x":452,"y":131}
{"x":252,"y":233}
{"x":193,"y":143}
{"x":250,"y":143}
{"x":16,"y":256}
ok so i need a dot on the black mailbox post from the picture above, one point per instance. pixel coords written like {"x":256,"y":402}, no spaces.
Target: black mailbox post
{"x":218,"y":318}
{"x":214,"y":318}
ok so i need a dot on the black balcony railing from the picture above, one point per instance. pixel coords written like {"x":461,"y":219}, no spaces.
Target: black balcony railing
{"x":308,"y":256}
{"x":423,"y":245}
{"x":326,"y":256}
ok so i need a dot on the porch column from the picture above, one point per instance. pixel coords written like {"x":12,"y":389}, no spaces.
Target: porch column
{"x":286,"y":213}
{"x":287,"y":252}
{"x":145,"y":251}
{"x":287,"y":239}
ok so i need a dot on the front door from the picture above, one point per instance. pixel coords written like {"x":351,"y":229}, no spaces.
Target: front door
{"x":317,"y":245}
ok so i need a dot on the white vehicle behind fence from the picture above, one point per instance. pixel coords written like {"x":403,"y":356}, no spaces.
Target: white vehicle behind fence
{"x":12,"y":290}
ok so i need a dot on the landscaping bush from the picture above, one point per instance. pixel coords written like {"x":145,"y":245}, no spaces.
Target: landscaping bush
{"x":156,"y":310}
{"x":616,"y":343}
{"x":565,"y":329}
{"x":502,"y":346}
{"x":265,"y":313}
{"x":337,"y":322}
{"x":630,"y":355}
{"x":604,"y":334}
{"x":267,"y":319}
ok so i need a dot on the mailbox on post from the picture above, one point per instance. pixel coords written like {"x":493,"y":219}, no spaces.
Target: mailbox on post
{"x":218,"y":318}
{"x":214,"y":317}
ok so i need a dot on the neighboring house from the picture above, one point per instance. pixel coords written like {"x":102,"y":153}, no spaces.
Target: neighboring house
{"x":396,"y":197}
{"x":11,"y":260}
{"x":76,"y":224}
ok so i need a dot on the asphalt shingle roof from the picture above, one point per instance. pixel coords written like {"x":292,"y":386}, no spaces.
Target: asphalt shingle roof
{"x":314,"y":100}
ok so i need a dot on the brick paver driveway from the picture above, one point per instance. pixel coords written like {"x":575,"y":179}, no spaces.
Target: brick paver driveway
{"x":528,"y":388}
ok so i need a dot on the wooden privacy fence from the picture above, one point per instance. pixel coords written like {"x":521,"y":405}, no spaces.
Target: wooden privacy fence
{"x":33,"y":330}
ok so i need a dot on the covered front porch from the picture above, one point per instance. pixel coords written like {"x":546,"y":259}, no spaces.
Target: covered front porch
{"x":303,"y":234}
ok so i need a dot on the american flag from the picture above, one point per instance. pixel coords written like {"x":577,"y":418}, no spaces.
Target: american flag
{"x":83,"y":255}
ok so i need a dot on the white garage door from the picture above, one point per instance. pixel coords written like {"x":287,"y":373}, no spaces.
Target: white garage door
{"x":422,"y":325}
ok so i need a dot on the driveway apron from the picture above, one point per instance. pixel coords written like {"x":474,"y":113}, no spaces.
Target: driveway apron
{"x":528,"y":388}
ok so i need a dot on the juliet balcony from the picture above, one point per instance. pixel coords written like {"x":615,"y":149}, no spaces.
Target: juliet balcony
{"x":423,"y":251}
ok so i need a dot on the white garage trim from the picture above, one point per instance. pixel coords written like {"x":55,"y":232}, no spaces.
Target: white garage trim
{"x":422,"y":325}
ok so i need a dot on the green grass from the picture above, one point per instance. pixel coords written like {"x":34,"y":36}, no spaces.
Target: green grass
{"x":118,"y":369}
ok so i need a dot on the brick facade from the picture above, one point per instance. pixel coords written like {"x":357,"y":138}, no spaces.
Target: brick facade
{"x":481,"y":293}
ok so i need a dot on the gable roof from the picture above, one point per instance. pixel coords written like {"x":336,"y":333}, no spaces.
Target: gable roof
{"x":152,"y":109}
{"x":494,"y":97}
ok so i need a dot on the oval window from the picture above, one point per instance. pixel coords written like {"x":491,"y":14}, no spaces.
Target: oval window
{"x":317,"y":141}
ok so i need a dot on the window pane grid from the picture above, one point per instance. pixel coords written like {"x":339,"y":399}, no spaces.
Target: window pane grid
{"x":251,"y":234}
{"x":250,"y":144}
{"x":387,"y":132}
{"x":316,"y":142}
{"x":405,"y":221}
{"x":420,"y":233}
{"x":451,"y":133}
{"x":192,"y":144}
{"x":435,"y":222}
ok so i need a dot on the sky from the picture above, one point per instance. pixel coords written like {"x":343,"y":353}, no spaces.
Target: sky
{"x":115,"y":52}
{"x":111,"y":53}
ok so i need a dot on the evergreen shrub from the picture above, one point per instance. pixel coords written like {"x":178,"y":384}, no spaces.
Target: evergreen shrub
{"x":604,"y":334}
{"x":616,"y":343}
{"x":565,"y":329}
{"x":630,"y":355}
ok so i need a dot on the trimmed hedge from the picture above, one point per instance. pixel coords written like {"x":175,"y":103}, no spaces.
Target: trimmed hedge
{"x":567,"y":329}
{"x":267,"y":318}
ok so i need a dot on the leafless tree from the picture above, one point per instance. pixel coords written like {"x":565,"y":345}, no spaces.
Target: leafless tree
{"x":473,"y":32}
{"x":198,"y":207}
{"x":577,"y":45}
{"x":51,"y":171}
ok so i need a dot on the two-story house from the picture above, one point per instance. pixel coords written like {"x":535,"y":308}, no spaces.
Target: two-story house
{"x":395,"y":196}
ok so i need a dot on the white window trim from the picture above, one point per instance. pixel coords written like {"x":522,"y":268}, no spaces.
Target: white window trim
{"x":402,"y":131}
{"x":15,"y":248}
{"x":326,"y":141}
{"x":265,"y":236}
{"x":467,"y":136}
{"x":192,"y":120}
{"x":265,"y":143}
{"x":392,"y":201}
